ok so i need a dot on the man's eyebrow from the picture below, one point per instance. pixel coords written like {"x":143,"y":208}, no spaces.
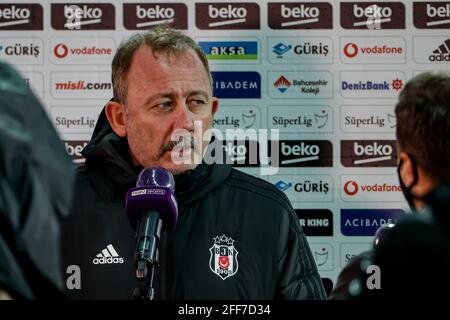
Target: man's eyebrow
{"x":199,"y":93}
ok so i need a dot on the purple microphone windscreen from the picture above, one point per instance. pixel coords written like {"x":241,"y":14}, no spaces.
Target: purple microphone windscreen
{"x":155,"y":189}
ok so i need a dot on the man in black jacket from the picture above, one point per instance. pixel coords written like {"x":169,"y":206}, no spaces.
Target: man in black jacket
{"x":413,"y":257}
{"x":162,"y":84}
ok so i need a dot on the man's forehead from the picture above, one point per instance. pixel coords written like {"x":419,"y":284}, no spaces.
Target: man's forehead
{"x":168,"y":56}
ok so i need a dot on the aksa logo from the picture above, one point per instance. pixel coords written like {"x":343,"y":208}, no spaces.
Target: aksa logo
{"x":92,"y":16}
{"x":372,"y":15}
{"x":236,"y":85}
{"x":300,"y":15}
{"x":310,"y":153}
{"x":230,"y":50}
{"x":108,"y":256}
{"x":16,"y":16}
{"x":141,"y":16}
{"x":223,"y":260}
{"x":395,"y":84}
{"x":431,"y":15}
{"x":316,"y":222}
{"x":61,"y":51}
{"x":210,"y":16}
{"x":368,"y":153}
{"x":74,"y":148}
{"x":442,"y":53}
{"x":282,"y":186}
{"x":365,"y":222}
{"x":280,"y":49}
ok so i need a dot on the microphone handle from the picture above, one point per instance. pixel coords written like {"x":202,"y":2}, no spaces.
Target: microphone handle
{"x":148,"y":237}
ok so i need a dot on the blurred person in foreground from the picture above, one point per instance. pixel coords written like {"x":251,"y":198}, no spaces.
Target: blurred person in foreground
{"x":36,"y":177}
{"x":162,"y":83}
{"x":413,"y":257}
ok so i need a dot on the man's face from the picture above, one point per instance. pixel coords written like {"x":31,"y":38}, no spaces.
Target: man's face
{"x":165,"y":95}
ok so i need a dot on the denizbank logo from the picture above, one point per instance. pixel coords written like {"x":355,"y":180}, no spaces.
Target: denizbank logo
{"x":371,"y":84}
{"x":236,"y":85}
{"x":230,"y":50}
{"x":365,"y":222}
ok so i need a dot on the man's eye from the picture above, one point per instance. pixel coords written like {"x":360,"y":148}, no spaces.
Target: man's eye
{"x":165,"y":106}
{"x":196,"y":102}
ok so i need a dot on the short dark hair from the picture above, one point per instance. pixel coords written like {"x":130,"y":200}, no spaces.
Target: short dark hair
{"x":160,"y":40}
{"x":423,"y":122}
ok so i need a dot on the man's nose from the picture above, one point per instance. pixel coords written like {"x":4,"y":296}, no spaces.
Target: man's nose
{"x":184,"y":118}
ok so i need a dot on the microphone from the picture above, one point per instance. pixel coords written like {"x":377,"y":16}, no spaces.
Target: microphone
{"x":151,"y":208}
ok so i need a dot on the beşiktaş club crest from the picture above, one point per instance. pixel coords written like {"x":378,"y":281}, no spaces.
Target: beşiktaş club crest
{"x":223,"y":260}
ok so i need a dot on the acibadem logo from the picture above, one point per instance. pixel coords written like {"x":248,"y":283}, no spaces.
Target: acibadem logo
{"x":230,"y":50}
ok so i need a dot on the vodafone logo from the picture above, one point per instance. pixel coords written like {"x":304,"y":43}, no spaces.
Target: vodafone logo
{"x":60,"y":51}
{"x":351,"y":50}
{"x":351,"y":188}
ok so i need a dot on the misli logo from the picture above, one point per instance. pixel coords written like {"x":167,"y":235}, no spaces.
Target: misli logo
{"x":372,"y":15}
{"x":431,"y":15}
{"x":148,"y":15}
{"x":300,"y":15}
{"x":227,"y":16}
{"x":21,"y":17}
{"x":368,"y":153}
{"x":92,"y":16}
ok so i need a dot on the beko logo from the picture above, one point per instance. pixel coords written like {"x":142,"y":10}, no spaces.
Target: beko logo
{"x":311,"y":153}
{"x":300,"y":15}
{"x":140,"y":16}
{"x":74,"y":148}
{"x":368,"y":153}
{"x":227,"y":16}
{"x":89,"y":16}
{"x":16,"y":16}
{"x":316,"y":222}
{"x":372,"y":15}
{"x":431,"y":15}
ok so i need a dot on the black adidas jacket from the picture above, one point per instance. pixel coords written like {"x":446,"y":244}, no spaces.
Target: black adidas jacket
{"x":270,"y":256}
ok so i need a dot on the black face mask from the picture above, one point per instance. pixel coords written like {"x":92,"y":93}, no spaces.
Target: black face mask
{"x":407,"y":190}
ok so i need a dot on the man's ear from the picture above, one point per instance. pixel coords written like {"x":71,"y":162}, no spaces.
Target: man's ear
{"x":215,"y":106}
{"x":407,"y":169}
{"x":115,"y":112}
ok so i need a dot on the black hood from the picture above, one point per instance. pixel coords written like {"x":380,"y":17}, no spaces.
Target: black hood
{"x":439,"y":200}
{"x":110,"y":153}
{"x":36,"y":176}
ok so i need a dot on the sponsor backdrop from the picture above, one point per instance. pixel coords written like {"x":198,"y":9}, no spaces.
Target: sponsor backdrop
{"x":325,"y":73}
